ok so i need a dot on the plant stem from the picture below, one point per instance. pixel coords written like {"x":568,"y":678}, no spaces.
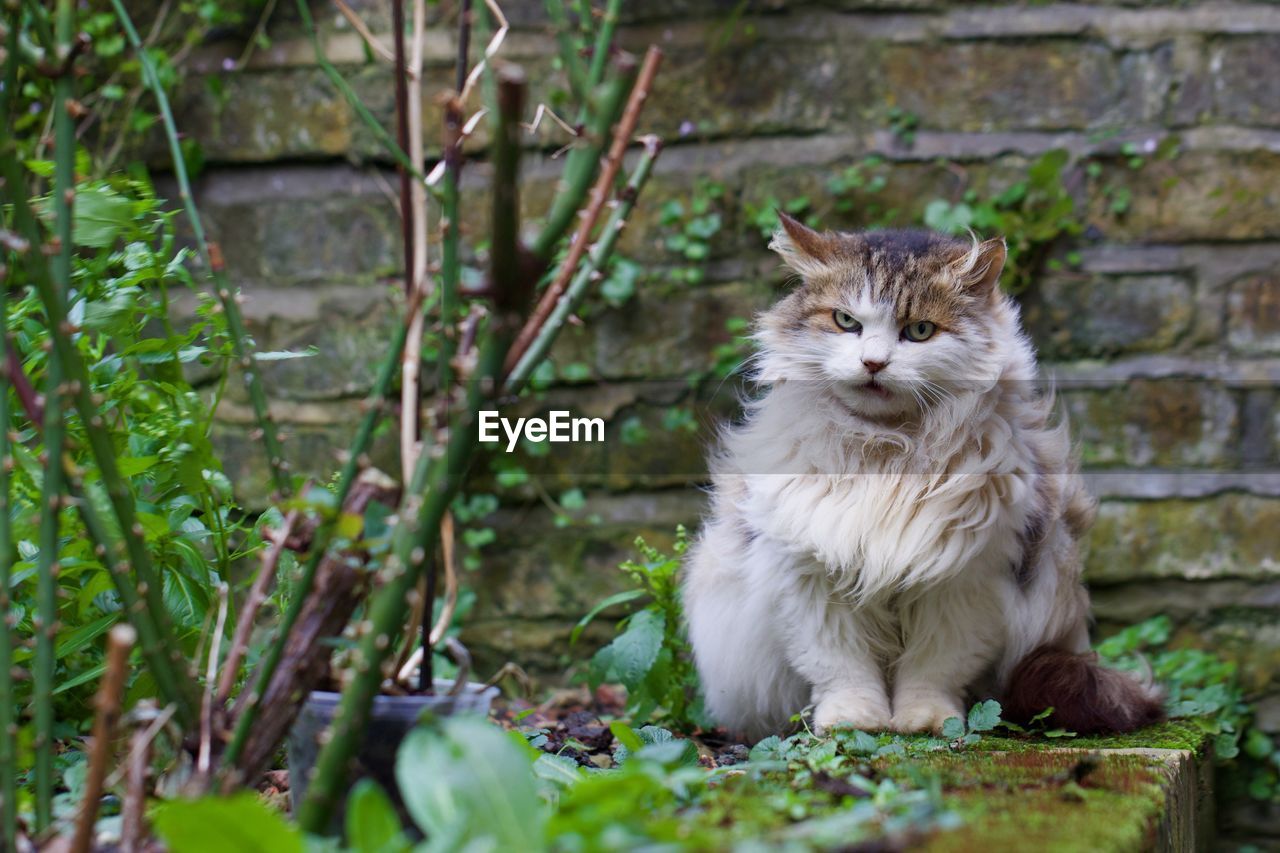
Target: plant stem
{"x":386,"y":610}
{"x":582,"y":162}
{"x":569,"y":54}
{"x":344,"y":88}
{"x":604,"y":42}
{"x":212,"y":254}
{"x":416,"y":260}
{"x":599,"y":194}
{"x":119,"y":643}
{"x":435,"y":482}
{"x":587,"y":274}
{"x":374,"y":408}
{"x":54,"y":433}
{"x":8,"y":703}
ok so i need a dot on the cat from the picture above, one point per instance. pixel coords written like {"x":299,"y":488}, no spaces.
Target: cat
{"x":894,"y":526}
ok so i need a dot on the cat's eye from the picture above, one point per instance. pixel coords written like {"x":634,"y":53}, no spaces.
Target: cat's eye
{"x":846,"y":321}
{"x":920,"y":330}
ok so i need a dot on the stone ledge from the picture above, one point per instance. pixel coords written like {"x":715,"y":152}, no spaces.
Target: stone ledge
{"x":1122,"y":28}
{"x":1126,"y":799}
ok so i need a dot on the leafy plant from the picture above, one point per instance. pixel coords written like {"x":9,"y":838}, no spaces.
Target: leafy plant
{"x":1031,"y":214}
{"x":983,"y":717}
{"x":650,"y":656}
{"x":127,"y":261}
{"x":1205,"y":689}
{"x":689,"y":226}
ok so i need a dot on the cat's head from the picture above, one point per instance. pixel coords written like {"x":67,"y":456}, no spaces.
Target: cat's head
{"x":889,"y":322}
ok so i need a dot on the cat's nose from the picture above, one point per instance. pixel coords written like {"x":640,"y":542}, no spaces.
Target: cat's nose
{"x":874,"y":367}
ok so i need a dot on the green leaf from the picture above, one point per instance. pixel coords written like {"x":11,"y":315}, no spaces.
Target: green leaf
{"x":372,"y":823}
{"x":286,"y":355}
{"x":860,"y":743}
{"x":560,"y":771}
{"x":131,"y":466}
{"x":93,"y":673}
{"x":952,"y":728}
{"x":984,"y":716}
{"x":626,"y":735}
{"x":636,"y":649}
{"x":216,"y":824}
{"x":942,"y":215}
{"x":769,"y":749}
{"x":99,"y":215}
{"x":615,"y":599}
{"x":469,"y":785}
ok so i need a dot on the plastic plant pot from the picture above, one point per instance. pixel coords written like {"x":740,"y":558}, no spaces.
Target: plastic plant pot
{"x":390,"y":719}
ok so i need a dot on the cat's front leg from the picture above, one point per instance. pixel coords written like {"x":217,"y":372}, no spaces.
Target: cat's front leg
{"x":831,"y":645}
{"x":951,"y":635}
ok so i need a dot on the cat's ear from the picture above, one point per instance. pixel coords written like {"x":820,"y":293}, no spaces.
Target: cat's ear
{"x":803,"y":249}
{"x":977,"y":271}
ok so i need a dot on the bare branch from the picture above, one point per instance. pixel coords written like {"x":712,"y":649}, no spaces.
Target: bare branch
{"x":599,"y":195}
{"x":119,"y":644}
{"x":249,"y":611}
{"x":358,"y":24}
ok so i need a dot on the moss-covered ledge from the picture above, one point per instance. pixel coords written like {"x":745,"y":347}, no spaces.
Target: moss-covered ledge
{"x":1151,"y":790}
{"x":1070,"y":799}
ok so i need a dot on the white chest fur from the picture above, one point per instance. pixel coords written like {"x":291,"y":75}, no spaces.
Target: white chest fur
{"x":877,"y":517}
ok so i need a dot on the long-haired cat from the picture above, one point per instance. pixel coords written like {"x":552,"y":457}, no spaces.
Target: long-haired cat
{"x":894,"y":527}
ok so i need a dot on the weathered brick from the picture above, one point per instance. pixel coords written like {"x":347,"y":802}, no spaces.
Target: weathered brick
{"x":1253,"y":314}
{"x":990,"y":85}
{"x":1156,"y":423}
{"x":1245,"y":69}
{"x":257,"y":117}
{"x":1198,"y":195}
{"x":1076,"y":316}
{"x":311,"y":449}
{"x":1230,"y":536}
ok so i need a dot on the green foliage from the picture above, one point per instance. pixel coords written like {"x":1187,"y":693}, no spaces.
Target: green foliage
{"x":216,"y":824}
{"x":372,"y":823}
{"x":1031,"y":214}
{"x":109,"y":75}
{"x":688,"y":227}
{"x":1203,"y":688}
{"x":650,"y":656}
{"x":469,"y":783}
{"x":127,"y":262}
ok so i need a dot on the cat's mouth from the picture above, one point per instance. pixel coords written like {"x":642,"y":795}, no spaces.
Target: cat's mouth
{"x":874,"y":387}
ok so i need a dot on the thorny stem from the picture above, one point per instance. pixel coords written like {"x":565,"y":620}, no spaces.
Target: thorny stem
{"x":587,"y":275}
{"x":54,"y":430}
{"x":107,"y":704}
{"x":599,"y":195}
{"x":212,"y":254}
{"x":344,"y":88}
{"x":435,"y":482}
{"x":374,"y":408}
{"x":582,"y":162}
{"x":8,"y":750}
{"x":450,"y":277}
{"x":604,"y":42}
{"x":569,"y":54}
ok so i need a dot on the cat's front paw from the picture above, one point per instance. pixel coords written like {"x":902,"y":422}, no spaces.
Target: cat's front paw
{"x":924,"y":712}
{"x":851,"y":711}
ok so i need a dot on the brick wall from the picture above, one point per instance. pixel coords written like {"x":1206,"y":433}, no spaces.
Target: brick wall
{"x":1163,"y":331}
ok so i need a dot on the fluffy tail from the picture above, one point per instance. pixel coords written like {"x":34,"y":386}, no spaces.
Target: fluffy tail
{"x":1085,"y":696}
